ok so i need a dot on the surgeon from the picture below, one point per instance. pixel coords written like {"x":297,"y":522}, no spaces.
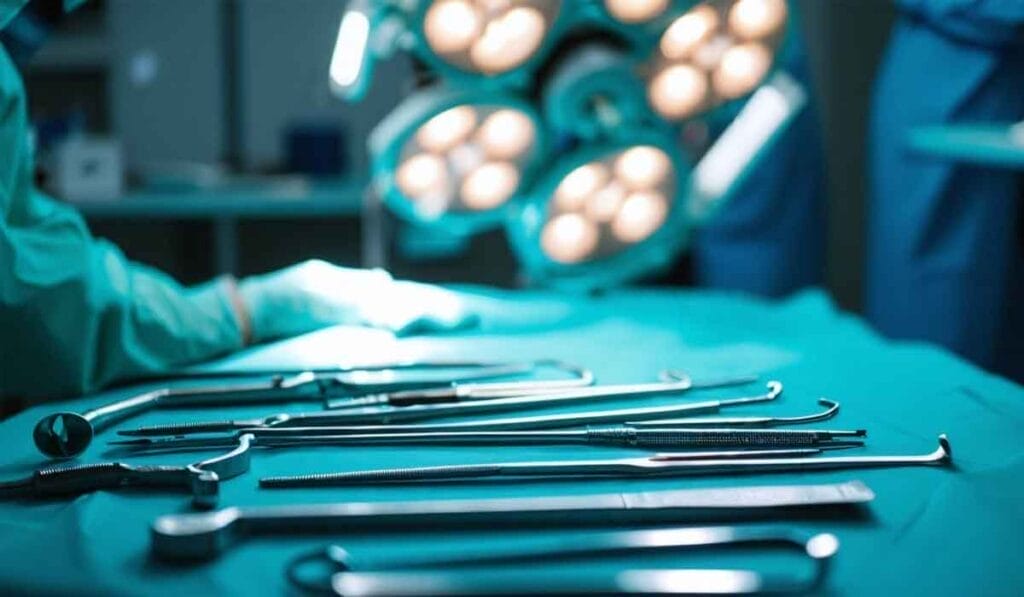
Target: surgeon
{"x":770,"y":241}
{"x":944,"y":252}
{"x":76,"y":315}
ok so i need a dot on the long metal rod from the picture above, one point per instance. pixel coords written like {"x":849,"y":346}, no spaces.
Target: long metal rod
{"x":671,"y":464}
{"x":615,"y":436}
{"x":203,"y":536}
{"x":831,"y":410}
{"x":390,"y":415}
{"x":67,"y":434}
{"x":559,"y":421}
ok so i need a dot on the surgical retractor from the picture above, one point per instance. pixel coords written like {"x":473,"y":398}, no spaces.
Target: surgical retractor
{"x":205,"y":535}
{"x":339,"y":572}
{"x":68,"y":434}
{"x":663,"y":464}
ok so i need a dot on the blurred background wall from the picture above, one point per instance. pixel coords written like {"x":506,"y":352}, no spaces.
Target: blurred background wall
{"x":196,"y":90}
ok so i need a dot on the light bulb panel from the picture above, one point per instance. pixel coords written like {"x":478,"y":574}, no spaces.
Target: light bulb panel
{"x":491,"y":43}
{"x":604,"y":214}
{"x":457,"y":160}
{"x":715,"y":54}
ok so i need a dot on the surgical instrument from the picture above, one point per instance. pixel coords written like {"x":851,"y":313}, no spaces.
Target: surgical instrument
{"x":206,"y":535}
{"x":611,"y":436}
{"x":202,"y":479}
{"x":68,"y":434}
{"x":349,"y":421}
{"x":451,"y":577}
{"x":660,"y":464}
{"x":832,"y":409}
{"x":465,"y":392}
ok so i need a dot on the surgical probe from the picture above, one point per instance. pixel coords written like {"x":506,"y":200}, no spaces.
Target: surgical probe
{"x":205,"y":535}
{"x":68,"y":434}
{"x":461,"y":575}
{"x":577,"y":419}
{"x":831,"y":410}
{"x":202,"y":479}
{"x":662,"y":464}
{"x":609,"y":436}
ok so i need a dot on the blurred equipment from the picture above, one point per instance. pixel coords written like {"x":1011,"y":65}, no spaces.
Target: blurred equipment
{"x":207,"y":535}
{"x":945,"y":261}
{"x":88,"y":169}
{"x":457,"y":575}
{"x":598,"y":132}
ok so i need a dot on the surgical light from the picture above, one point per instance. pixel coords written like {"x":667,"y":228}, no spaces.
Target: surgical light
{"x":455,"y":159}
{"x":716,"y":52}
{"x":752,"y":19}
{"x":488,"y":37}
{"x":636,"y":11}
{"x":603,"y":213}
{"x":573,"y":121}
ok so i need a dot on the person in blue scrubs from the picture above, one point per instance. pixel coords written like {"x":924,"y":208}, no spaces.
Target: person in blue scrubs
{"x":76,"y":314}
{"x":770,"y":239}
{"x":944,"y":250}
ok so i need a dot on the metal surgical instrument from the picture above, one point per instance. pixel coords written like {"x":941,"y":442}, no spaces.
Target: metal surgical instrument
{"x":578,"y":419}
{"x":662,"y":464}
{"x":68,"y":434}
{"x":202,"y":479}
{"x":832,"y":409}
{"x":451,"y":576}
{"x":206,"y":535}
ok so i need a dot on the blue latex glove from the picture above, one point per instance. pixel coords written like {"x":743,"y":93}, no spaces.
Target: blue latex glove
{"x":317,"y":294}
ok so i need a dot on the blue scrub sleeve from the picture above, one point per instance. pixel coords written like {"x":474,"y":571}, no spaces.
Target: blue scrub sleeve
{"x":993,"y":23}
{"x":75,"y":314}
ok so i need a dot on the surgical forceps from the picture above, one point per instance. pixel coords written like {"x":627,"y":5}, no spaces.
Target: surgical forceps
{"x":578,"y":419}
{"x":68,"y":434}
{"x":202,"y":478}
{"x":661,"y":464}
{"x":201,"y":536}
{"x":451,"y":577}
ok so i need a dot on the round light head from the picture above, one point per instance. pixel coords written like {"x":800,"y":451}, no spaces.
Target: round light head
{"x":718,"y":51}
{"x":455,"y":159}
{"x":604,"y":214}
{"x":487,"y":37}
{"x":636,"y":11}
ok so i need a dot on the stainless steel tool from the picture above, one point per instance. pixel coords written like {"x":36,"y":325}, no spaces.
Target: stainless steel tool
{"x":206,"y":535}
{"x":451,"y":578}
{"x":831,"y":410}
{"x":389,"y":415}
{"x":577,"y":419}
{"x":661,"y":464}
{"x":202,"y":479}
{"x":68,"y":434}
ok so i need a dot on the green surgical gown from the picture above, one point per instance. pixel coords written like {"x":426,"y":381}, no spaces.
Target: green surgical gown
{"x":75,"y":314}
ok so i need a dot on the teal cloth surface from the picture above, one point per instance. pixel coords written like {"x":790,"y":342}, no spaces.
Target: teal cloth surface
{"x":937,"y":531}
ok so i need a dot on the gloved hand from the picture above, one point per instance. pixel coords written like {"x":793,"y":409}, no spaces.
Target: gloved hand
{"x":317,"y":294}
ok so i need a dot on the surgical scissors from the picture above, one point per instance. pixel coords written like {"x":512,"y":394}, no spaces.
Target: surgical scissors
{"x":450,"y":576}
{"x":386,"y":415}
{"x":577,"y":419}
{"x":660,"y":464}
{"x":202,"y":478}
{"x":68,"y":434}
